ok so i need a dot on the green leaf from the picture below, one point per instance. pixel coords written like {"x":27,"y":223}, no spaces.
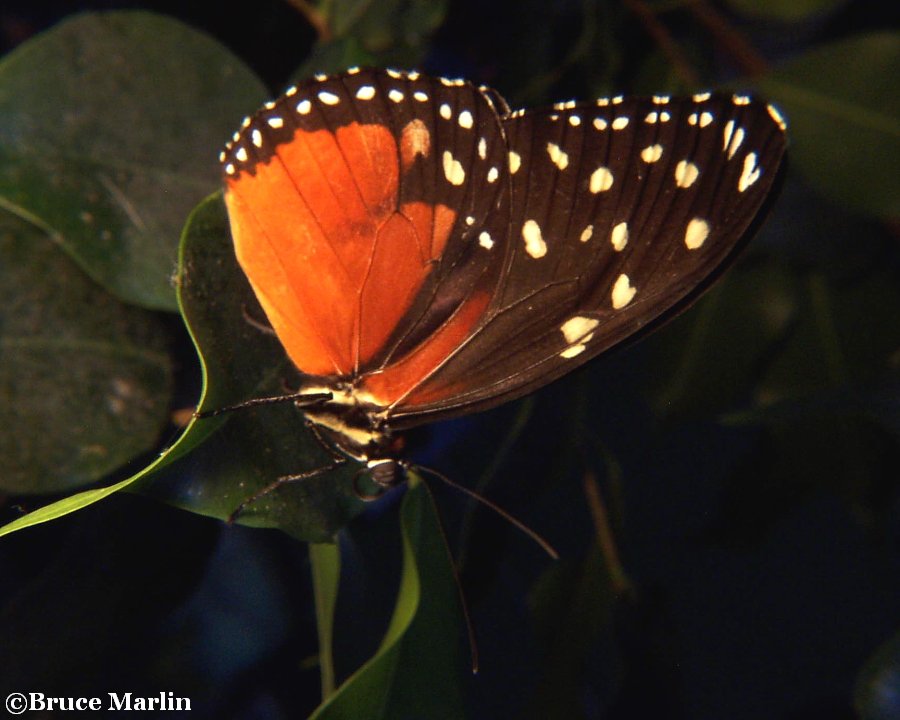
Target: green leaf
{"x":572,"y":604}
{"x":386,"y":33}
{"x":788,"y":11}
{"x":85,"y":380}
{"x":708,"y":359}
{"x":63,"y":507}
{"x":842,"y":101}
{"x":109,"y":128}
{"x":878,"y":686}
{"x":325,"y":560}
{"x":416,"y":671}
{"x":239,"y":453}
{"x":218,"y":463}
{"x":845,"y":335}
{"x":333,"y":57}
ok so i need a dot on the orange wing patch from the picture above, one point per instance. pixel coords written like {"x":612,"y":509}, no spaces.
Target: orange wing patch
{"x":334,"y":259}
{"x":399,"y":380}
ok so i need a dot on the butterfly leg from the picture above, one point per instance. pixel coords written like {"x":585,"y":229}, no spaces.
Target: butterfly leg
{"x":337,"y":460}
{"x":260,"y":325}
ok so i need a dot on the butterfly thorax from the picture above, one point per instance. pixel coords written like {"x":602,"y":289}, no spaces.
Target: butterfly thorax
{"x":352,"y":422}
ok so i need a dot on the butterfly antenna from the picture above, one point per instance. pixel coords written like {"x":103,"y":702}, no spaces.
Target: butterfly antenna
{"x":300,"y":398}
{"x":514,"y":521}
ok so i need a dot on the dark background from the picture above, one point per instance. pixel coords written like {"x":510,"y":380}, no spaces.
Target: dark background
{"x":753,"y":587}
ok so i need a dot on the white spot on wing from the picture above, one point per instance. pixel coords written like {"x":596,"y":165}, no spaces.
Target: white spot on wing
{"x":620,"y":123}
{"x":686,"y":174}
{"x":727,"y":131}
{"x":696,"y":233}
{"x":578,"y":328}
{"x":493,"y":174}
{"x":485,"y":240}
{"x":482,"y":148}
{"x":453,"y":169}
{"x":445,"y":111}
{"x":241,"y":154}
{"x":557,"y":156}
{"x":577,"y":331}
{"x":737,"y":137}
{"x":750,"y":173}
{"x":622,"y":292}
{"x":601,"y":180}
{"x":304,"y":106}
{"x":465,"y":119}
{"x":328,"y":98}
{"x":572,"y":351}
{"x":366,"y":92}
{"x":275,"y":122}
{"x":394,"y":95}
{"x":600,"y":123}
{"x":256,"y":138}
{"x":652,"y":153}
{"x":702,"y":97}
{"x":534,"y":240}
{"x":515,"y":161}
{"x":420,"y":96}
{"x":574,"y":120}
{"x":777,"y":116}
{"x":702,"y":119}
{"x":619,"y":236}
{"x":587,"y":233}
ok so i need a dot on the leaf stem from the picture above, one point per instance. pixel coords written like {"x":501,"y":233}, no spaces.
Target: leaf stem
{"x":314,"y":17}
{"x":325,"y":564}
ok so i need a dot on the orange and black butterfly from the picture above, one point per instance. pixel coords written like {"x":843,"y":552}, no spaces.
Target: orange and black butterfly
{"x":422,"y":252}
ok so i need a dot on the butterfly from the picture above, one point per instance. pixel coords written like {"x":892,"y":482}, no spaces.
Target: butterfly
{"x":422,"y":252}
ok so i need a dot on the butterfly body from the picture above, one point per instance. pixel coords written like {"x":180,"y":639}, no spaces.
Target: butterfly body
{"x":422,"y":252}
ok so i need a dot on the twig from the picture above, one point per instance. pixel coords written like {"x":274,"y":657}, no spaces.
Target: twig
{"x":661,"y":36}
{"x":745,"y":56}
{"x":605,"y":539}
{"x":313,"y":17}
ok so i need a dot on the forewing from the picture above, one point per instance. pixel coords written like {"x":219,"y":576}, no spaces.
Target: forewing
{"x":356,"y":202}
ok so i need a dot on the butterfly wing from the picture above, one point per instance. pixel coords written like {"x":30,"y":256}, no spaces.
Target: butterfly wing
{"x":356,"y":217}
{"x":619,"y":213}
